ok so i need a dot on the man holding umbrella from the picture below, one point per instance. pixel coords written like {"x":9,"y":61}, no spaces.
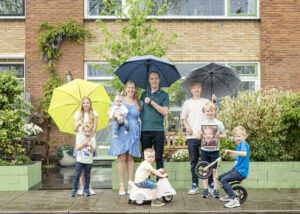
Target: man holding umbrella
{"x":156,"y":106}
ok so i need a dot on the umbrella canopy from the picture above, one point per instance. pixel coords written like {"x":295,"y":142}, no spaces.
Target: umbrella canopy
{"x":215,"y":79}
{"x":66,"y":101}
{"x":137,"y":69}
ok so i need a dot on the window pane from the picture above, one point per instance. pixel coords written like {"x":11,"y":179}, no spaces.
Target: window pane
{"x":191,"y":7}
{"x":242,"y":7}
{"x":12,"y":8}
{"x":96,"y":6}
{"x":18,"y":68}
{"x":245,"y":86}
{"x":98,"y":70}
{"x":245,"y":69}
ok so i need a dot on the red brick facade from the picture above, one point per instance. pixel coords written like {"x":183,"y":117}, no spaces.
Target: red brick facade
{"x":280,"y":44}
{"x":54,"y":12}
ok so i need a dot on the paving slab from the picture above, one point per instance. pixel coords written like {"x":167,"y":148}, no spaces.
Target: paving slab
{"x":108,"y":201}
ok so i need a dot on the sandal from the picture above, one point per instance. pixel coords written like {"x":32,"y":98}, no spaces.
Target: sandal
{"x":122,"y":192}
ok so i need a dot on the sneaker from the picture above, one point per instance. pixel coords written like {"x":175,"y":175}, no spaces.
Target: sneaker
{"x":216,"y":193}
{"x":205,"y":193}
{"x":225,"y":198}
{"x":73,"y":193}
{"x":87,"y":193}
{"x":194,"y":190}
{"x":232,"y":203}
{"x":92,"y":191}
{"x":125,"y":132}
{"x":80,"y":191}
{"x":211,"y":188}
{"x":115,"y":136}
{"x":157,"y":203}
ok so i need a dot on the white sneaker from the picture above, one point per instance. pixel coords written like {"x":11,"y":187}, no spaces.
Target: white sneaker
{"x":115,"y":136}
{"x":125,"y":132}
{"x":80,"y":191}
{"x":225,"y":198}
{"x":232,"y":203}
{"x":92,"y":191}
{"x":194,"y":191}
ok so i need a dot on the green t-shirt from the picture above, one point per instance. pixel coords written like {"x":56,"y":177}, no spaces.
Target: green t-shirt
{"x":152,"y":120}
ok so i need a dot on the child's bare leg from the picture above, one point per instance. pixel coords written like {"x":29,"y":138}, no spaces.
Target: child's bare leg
{"x":82,"y":178}
{"x":154,"y":193}
{"x":215,"y":179}
{"x":205,"y":183}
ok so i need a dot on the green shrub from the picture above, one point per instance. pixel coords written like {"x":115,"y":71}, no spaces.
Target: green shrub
{"x":180,"y":156}
{"x":261,"y":114}
{"x":290,"y":124}
{"x":12,"y":112}
{"x":24,"y":159}
{"x":59,"y":151}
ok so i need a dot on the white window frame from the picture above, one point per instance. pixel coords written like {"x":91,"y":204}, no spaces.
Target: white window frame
{"x":15,"y":57}
{"x":225,"y":17}
{"x":15,"y":17}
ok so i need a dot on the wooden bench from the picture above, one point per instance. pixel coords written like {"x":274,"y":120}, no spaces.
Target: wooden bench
{"x":170,"y":141}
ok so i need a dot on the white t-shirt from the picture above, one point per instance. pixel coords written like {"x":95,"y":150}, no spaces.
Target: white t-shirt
{"x":85,"y":155}
{"x":86,"y":118}
{"x":192,"y":112}
{"x":143,"y":172}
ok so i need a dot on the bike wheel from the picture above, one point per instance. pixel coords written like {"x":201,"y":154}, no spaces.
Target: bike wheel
{"x":200,"y":170}
{"x":240,"y":193}
{"x":167,"y":198}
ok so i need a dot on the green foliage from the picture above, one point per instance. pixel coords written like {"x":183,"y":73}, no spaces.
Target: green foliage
{"x":50,"y":40}
{"x":227,"y":144}
{"x":24,"y":159}
{"x":20,"y":160}
{"x":59,"y":151}
{"x":138,"y":36}
{"x":291,"y":124}
{"x":12,"y":111}
{"x":261,"y":115}
{"x":53,"y":82}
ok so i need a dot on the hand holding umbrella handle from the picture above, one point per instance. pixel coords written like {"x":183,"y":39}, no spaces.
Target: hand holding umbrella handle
{"x":148,"y":100}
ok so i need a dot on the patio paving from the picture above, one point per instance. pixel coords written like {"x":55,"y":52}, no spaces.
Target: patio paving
{"x":108,"y":201}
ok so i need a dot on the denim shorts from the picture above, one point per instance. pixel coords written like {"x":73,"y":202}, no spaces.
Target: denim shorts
{"x":148,"y":183}
{"x":210,"y":157}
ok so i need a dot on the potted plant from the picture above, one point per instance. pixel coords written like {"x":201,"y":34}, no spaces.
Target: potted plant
{"x":37,"y":118}
{"x":31,"y":131}
{"x":64,"y":154}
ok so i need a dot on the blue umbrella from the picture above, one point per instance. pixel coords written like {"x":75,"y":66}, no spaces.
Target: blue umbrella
{"x":137,"y":69}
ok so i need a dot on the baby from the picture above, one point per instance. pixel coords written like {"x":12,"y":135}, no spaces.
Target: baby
{"x":121,"y":109}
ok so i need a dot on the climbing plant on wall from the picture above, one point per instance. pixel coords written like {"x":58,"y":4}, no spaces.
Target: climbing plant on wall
{"x":49,"y":42}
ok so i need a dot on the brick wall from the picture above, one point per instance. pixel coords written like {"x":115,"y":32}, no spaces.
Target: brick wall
{"x":54,"y":11}
{"x":280,"y":44}
{"x":12,"y":36}
{"x":198,"y":40}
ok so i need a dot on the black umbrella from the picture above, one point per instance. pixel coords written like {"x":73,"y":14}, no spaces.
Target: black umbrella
{"x":215,"y":79}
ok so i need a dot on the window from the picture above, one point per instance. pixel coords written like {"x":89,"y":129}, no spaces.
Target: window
{"x":16,"y":66}
{"x":248,"y":72}
{"x":188,"y":9}
{"x":9,"y":8}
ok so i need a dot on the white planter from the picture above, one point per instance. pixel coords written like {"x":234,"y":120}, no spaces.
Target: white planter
{"x":67,"y":160}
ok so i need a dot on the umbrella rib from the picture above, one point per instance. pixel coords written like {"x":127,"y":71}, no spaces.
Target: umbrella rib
{"x":229,"y":75}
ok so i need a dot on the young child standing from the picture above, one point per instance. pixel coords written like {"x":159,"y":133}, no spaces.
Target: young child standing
{"x":211,"y":153}
{"x":240,"y":170}
{"x":191,"y":117}
{"x":142,"y":176}
{"x":85,"y":146}
{"x":85,"y":115}
{"x":121,"y":109}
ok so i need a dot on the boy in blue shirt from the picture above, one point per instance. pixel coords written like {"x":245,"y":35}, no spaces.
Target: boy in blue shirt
{"x":240,"y":170}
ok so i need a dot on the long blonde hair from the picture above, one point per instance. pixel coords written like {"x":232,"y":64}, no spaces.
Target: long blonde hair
{"x":90,"y":113}
{"x":135,"y":97}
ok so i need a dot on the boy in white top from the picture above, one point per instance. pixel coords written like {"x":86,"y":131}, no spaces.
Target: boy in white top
{"x":143,"y":172}
{"x":85,"y":146}
{"x":191,"y":117}
{"x":121,"y":109}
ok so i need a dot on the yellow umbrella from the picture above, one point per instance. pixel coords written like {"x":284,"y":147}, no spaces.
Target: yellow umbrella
{"x":66,"y":101}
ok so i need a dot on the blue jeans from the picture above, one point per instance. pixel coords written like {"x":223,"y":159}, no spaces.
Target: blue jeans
{"x":148,"y":183}
{"x":157,"y":138}
{"x":193,"y":148}
{"x":87,"y":171}
{"x":232,"y":175}
{"x":116,"y":126}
